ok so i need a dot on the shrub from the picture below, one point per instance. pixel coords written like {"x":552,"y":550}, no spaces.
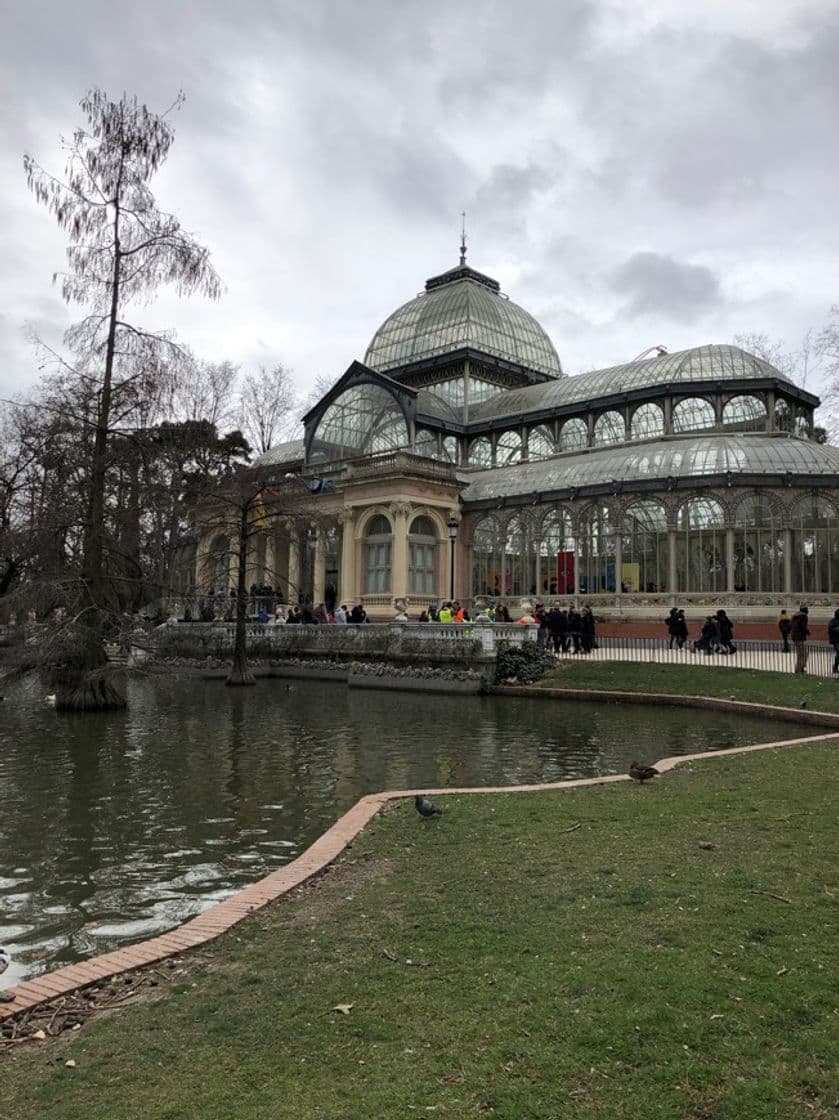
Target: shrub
{"x":524,"y":663}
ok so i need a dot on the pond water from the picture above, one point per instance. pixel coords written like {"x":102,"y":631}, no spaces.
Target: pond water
{"x":117,"y":827}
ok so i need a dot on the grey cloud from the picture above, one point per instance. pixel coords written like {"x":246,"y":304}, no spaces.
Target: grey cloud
{"x":659,"y":285}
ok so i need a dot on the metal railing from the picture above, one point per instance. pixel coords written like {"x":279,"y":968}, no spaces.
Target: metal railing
{"x":763,"y":656}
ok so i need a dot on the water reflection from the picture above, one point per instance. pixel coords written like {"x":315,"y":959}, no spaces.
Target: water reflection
{"x":119,"y":826}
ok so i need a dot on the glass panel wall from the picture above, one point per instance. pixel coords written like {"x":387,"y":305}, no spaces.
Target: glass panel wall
{"x":694,"y":414}
{"x":647,"y":421}
{"x":574,"y":435}
{"x":815,"y":547}
{"x":422,"y":553}
{"x":557,"y":554}
{"x":366,"y":418}
{"x":480,"y":452}
{"x":520,"y":558}
{"x":540,"y":444}
{"x":700,"y":546}
{"x":426,"y":444}
{"x":377,"y":548}
{"x":487,"y":558}
{"x":758,"y":546}
{"x":645,"y":547}
{"x":596,"y":551}
{"x":450,"y":449}
{"x":744,"y":414}
{"x":609,"y":428}
{"x":508,"y":449}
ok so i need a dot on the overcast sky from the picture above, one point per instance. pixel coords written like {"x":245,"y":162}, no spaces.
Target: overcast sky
{"x":633,"y":173}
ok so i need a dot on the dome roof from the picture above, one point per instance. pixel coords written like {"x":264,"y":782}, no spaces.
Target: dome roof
{"x":462,"y":308}
{"x":699,"y":364}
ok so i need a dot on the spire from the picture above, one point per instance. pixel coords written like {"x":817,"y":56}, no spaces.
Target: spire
{"x":463,"y":238}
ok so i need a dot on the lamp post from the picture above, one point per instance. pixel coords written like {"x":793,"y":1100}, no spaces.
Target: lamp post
{"x":451,"y":525}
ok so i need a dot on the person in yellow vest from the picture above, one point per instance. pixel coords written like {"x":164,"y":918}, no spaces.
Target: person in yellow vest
{"x":445,"y":613}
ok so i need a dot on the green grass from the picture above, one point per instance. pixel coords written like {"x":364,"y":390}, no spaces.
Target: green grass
{"x":617,"y":970}
{"x":785,"y":690}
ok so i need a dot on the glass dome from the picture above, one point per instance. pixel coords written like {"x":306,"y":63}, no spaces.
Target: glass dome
{"x":462,"y":308}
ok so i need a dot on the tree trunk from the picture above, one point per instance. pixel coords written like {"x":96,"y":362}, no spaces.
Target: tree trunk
{"x":82,"y":679}
{"x":240,"y":674}
{"x":89,"y":689}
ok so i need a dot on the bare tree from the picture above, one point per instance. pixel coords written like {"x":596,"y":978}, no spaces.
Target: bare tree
{"x":807,"y":364}
{"x":267,"y":404}
{"x":122,"y":247}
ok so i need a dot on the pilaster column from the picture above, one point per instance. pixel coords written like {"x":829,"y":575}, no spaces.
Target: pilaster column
{"x":618,"y":562}
{"x":399,"y":512}
{"x":294,"y":568}
{"x":788,"y":561}
{"x":270,"y":567}
{"x":347,"y":588}
{"x":671,"y":561}
{"x":729,"y":560}
{"x":319,"y":573}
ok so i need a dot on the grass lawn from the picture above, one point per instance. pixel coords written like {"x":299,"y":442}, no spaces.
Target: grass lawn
{"x":783,"y":689}
{"x":500,"y":961}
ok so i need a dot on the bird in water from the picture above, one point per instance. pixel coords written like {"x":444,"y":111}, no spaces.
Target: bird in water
{"x":50,"y":699}
{"x":426,"y":808}
{"x":5,"y":961}
{"x":641,"y":773}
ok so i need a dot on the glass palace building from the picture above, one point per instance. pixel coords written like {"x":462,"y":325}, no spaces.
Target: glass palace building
{"x":461,"y":460}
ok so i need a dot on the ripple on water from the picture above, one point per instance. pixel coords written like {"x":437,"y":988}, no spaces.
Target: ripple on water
{"x":242,"y":782}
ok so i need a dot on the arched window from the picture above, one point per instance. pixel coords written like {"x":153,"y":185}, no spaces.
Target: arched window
{"x":744,"y":414}
{"x":815,"y":546}
{"x":219,"y":565}
{"x":596,"y":551}
{"x":450,"y":449}
{"x":365,"y":418}
{"x":519,"y":558}
{"x":480,"y":452}
{"x":540,"y":444}
{"x":574,"y":435}
{"x":758,"y":545}
{"x":803,"y":426}
{"x":647,"y":421}
{"x":557,"y":554}
{"x":508,"y":449}
{"x":700,"y":546}
{"x":783,"y":416}
{"x":487,"y":558}
{"x":378,"y":541}
{"x":694,"y":414}
{"x":422,"y":553}
{"x":426,"y":444}
{"x":644,"y":547}
{"x":609,"y":428}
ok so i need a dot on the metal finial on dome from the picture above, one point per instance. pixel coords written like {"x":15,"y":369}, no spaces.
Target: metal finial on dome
{"x":463,"y":238}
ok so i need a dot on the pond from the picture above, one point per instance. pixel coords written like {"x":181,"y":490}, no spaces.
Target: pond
{"x":117,"y":827}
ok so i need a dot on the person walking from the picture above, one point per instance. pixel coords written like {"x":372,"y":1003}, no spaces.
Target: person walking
{"x":588,"y":627}
{"x":575,"y":629}
{"x":726,"y":629}
{"x":784,"y":626}
{"x":799,"y":633}
{"x":672,"y":622}
{"x":833,"y":638}
{"x":681,"y":629}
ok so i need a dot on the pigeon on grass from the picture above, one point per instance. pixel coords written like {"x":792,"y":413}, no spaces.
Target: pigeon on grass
{"x":641,"y":773}
{"x":426,"y":808}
